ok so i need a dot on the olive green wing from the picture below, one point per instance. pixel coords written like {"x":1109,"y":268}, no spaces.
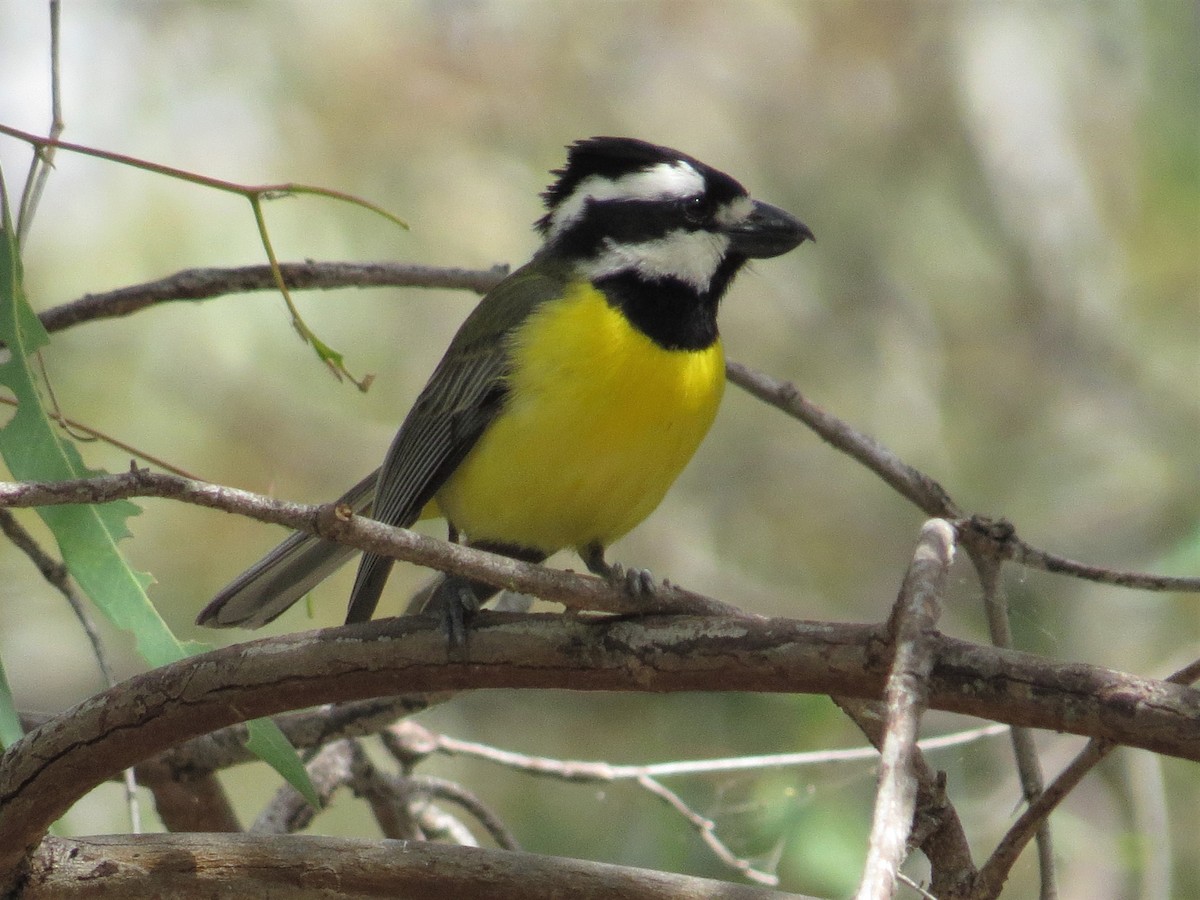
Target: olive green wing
{"x":465,"y":393}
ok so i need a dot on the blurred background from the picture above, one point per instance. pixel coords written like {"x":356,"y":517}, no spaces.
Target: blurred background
{"x":1005,"y":291}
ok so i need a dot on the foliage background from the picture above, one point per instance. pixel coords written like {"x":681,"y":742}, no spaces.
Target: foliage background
{"x":1005,"y":290}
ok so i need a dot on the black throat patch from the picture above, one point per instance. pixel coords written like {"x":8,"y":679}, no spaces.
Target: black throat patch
{"x":671,"y":313}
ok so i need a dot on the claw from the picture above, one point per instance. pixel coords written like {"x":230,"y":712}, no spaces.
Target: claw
{"x":452,"y":602}
{"x":638,"y":583}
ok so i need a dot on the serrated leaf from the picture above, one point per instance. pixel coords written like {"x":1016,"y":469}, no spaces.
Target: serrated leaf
{"x":87,"y":535}
{"x":33,"y":450}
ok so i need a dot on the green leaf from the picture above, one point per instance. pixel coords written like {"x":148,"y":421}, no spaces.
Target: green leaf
{"x":87,"y":535}
{"x":270,"y":745}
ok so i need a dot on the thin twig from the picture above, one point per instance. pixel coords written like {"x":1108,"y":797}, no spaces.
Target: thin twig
{"x":59,"y":578}
{"x":911,"y":627}
{"x":205,"y":284}
{"x":1007,"y":544}
{"x":994,"y":872}
{"x":434,"y":788}
{"x":75,"y":428}
{"x":337,"y":523}
{"x":43,"y":157}
{"x":707,"y":829}
{"x":988,"y":566}
{"x":410,"y":742}
{"x":592,"y":771}
{"x":918,"y":487}
{"x":56,"y":574}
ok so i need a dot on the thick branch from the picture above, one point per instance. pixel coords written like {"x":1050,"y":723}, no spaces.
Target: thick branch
{"x":288,"y":867}
{"x":45,"y":773}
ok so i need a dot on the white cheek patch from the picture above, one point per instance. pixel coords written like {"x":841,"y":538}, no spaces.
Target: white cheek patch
{"x":659,"y":182}
{"x":688,"y":256}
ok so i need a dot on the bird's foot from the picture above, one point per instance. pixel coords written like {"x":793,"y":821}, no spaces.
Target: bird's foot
{"x":452,"y":603}
{"x":637,"y":583}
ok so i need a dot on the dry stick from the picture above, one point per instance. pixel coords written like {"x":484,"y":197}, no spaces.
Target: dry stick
{"x":937,"y":829}
{"x":917,"y":487}
{"x":205,"y":284}
{"x":426,"y":786}
{"x":707,"y":829}
{"x":338,"y":524}
{"x":409,"y":743}
{"x":994,"y":872}
{"x":947,"y":844}
{"x":930,"y":496}
{"x":419,"y":742}
{"x":911,"y":628}
{"x":1029,"y":768}
{"x":1001,"y":534}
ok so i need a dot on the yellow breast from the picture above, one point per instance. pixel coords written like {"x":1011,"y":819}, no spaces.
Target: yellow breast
{"x":600,"y":420}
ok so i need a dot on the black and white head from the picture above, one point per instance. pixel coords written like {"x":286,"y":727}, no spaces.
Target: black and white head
{"x":626,"y":209}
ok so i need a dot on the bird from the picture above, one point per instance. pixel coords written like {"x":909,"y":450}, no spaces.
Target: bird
{"x":571,"y":397}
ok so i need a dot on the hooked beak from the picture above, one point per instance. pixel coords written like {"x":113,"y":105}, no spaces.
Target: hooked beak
{"x":768,"y":231}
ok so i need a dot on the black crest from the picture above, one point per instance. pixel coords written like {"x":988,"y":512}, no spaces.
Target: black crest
{"x":612,"y":157}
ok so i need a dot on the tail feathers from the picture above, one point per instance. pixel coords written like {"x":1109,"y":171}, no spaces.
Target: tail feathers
{"x":287,"y":573}
{"x":372,"y":575}
{"x":275,"y":582}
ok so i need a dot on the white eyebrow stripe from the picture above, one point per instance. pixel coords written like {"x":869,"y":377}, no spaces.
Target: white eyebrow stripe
{"x":659,"y":182}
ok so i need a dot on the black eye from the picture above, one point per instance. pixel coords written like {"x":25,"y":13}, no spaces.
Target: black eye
{"x":696,"y":210}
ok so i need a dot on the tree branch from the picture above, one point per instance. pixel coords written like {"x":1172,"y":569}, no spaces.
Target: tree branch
{"x":988,"y":560}
{"x":914,"y":485}
{"x":290,"y":867}
{"x":994,"y":872}
{"x":912,"y":628}
{"x":910,"y":483}
{"x":205,"y":284}
{"x":45,"y":773}
{"x":339,"y":524}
